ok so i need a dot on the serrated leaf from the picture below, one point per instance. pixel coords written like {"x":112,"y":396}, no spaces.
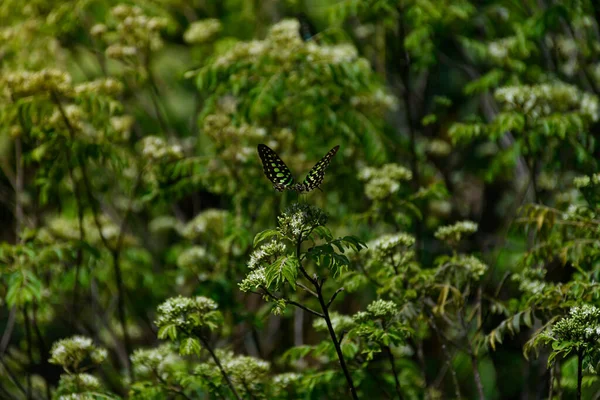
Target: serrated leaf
{"x":167,"y":331}
{"x":324,"y":233}
{"x":285,"y":268}
{"x":190,"y":346}
{"x":264,"y":235}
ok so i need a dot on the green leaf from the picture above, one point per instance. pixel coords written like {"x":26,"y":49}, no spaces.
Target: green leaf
{"x":23,"y":287}
{"x":190,"y":346}
{"x":168,"y":331}
{"x":323,"y":232}
{"x":349,"y":349}
{"x":285,"y":268}
{"x":264,"y":235}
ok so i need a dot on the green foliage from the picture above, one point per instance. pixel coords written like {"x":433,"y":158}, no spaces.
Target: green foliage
{"x":458,"y":222}
{"x":180,"y":317}
{"x":576,"y":334}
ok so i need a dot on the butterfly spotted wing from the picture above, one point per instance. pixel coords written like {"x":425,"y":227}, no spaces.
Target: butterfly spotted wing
{"x":317,"y":173}
{"x":275,"y":169}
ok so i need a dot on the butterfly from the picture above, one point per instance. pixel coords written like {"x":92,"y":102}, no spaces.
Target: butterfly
{"x":307,"y":29}
{"x":282,"y":178}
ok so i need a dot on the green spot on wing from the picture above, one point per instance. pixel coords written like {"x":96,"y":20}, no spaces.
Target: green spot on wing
{"x":278,"y":173}
{"x":317,"y":173}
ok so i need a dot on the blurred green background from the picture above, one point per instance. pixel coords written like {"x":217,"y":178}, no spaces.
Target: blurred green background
{"x":129,"y":175}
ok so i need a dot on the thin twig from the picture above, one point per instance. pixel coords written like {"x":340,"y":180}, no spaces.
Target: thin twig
{"x":552,"y":378}
{"x":42,"y":346}
{"x":444,"y":339}
{"x":216,"y":360}
{"x":474,"y":362}
{"x":334,"y":296}
{"x":89,"y":192}
{"x":19,"y":188}
{"x":316,"y":313}
{"x":12,"y":376}
{"x":10,"y":324}
{"x":154,"y":95}
{"x":168,"y":386}
{"x":336,"y":343}
{"x":29,"y":350}
{"x":307,"y":289}
{"x":393,"y":364}
{"x":579,"y":372}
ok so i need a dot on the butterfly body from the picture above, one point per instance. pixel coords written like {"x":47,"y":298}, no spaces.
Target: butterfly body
{"x":281,"y":176}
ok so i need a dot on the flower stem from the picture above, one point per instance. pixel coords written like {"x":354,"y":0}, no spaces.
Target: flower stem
{"x":579,"y":372}
{"x":393,"y":364}
{"x":338,"y":349}
{"x":216,"y":360}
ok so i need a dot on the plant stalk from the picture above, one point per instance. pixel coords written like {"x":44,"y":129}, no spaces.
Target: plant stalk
{"x":216,"y":360}
{"x":579,"y":372}
{"x":338,"y":349}
{"x":393,"y":364}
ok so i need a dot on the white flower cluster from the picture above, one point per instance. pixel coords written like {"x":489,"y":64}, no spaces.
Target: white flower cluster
{"x":531,"y":280}
{"x":70,"y":352}
{"x":209,"y":222}
{"x":532,"y":286}
{"x":390,"y":243}
{"x":255,"y":279}
{"x":283,"y":44}
{"x":504,"y":51}
{"x":68,"y":228}
{"x":107,"y":86}
{"x":582,"y":325}
{"x":265,"y":252}
{"x":221,"y":129}
{"x":122,"y":125}
{"x":454,"y":233}
{"x":567,"y":50}
{"x":193,"y":257}
{"x":80,"y":383}
{"x":156,"y":149}
{"x":250,"y":371}
{"x":159,"y":359}
{"x":378,"y":100}
{"x":248,"y":52}
{"x":240,"y":364}
{"x":178,"y":310}
{"x":75,"y":118}
{"x":548,"y":98}
{"x":498,"y":49}
{"x":339,"y":322}
{"x":439,"y":147}
{"x":29,"y":26}
{"x":581,"y":181}
{"x":202,"y":31}
{"x":285,"y":33}
{"x":384,"y":181}
{"x":298,"y":218}
{"x":383,"y":308}
{"x":338,"y":54}
{"x":474,"y":266}
{"x":136,"y":33}
{"x":286,"y":379}
{"x":26,"y":83}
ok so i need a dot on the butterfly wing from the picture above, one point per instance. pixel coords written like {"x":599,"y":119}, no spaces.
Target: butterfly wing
{"x":317,"y":173}
{"x":275,"y":169}
{"x":307,"y":29}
